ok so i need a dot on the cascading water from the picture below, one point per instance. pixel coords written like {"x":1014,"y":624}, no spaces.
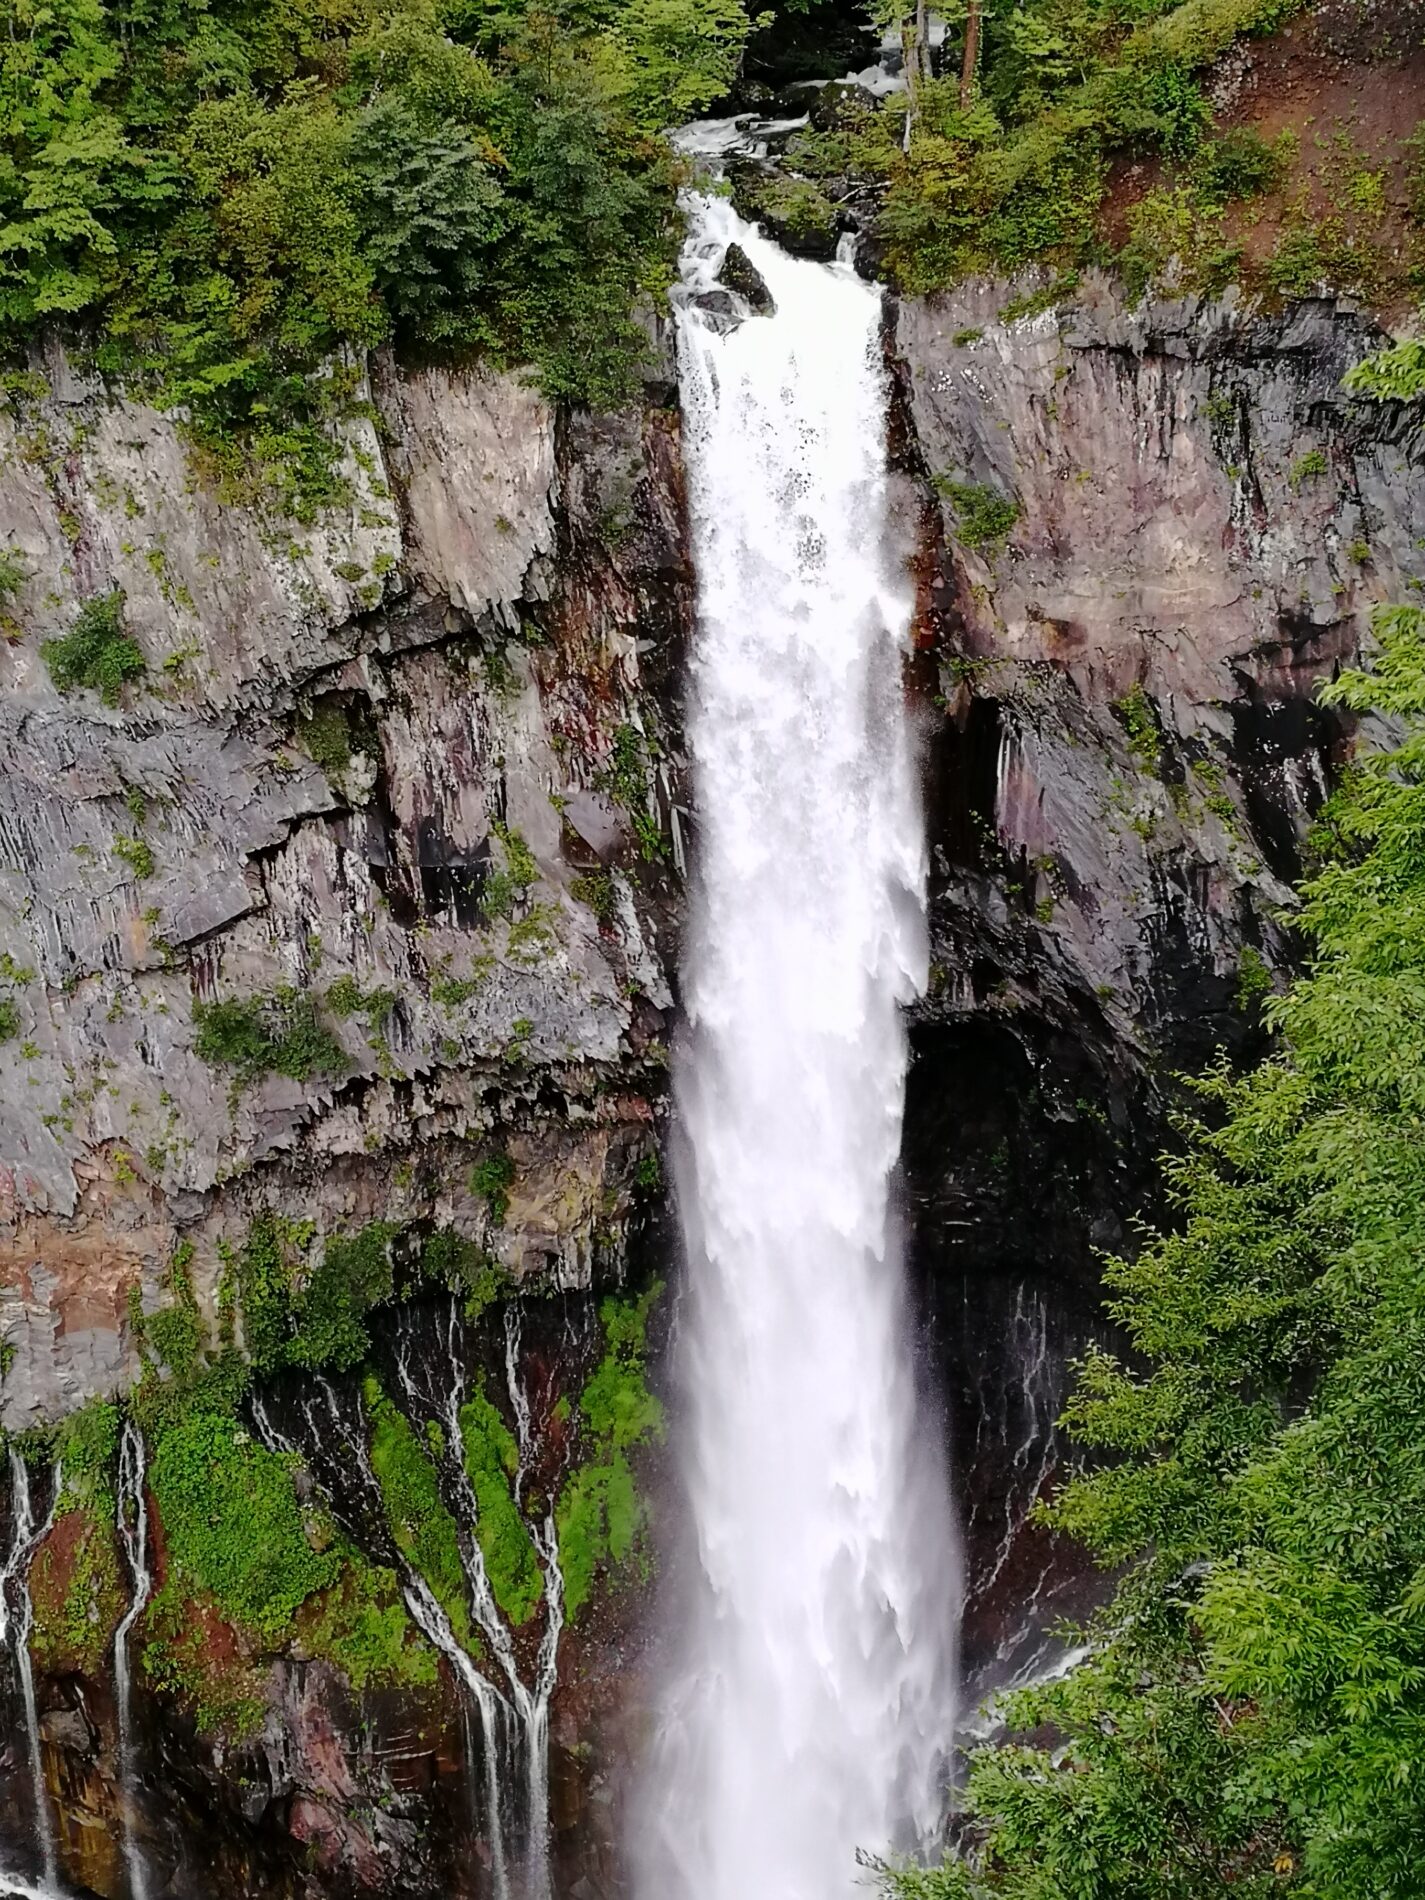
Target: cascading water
{"x":811,"y":1706}
{"x":328,"y":1428}
{"x":17,"y":1617}
{"x":133,"y":1535}
{"x":439,"y":1395}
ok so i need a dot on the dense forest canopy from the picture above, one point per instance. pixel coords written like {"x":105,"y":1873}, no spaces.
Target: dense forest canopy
{"x":221,"y":197}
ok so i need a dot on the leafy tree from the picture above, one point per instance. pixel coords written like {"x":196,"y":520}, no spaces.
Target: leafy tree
{"x":235,"y":199}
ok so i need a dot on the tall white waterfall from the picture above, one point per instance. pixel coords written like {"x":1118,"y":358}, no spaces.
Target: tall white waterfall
{"x":811,"y":1705}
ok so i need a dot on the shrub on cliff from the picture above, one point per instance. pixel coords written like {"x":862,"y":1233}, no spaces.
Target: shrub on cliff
{"x":96,"y":652}
{"x":1252,"y":1718}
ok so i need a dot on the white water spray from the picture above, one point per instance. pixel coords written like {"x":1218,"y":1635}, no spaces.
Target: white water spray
{"x":17,"y":1616}
{"x":133,"y":1534}
{"x":812,"y":1705}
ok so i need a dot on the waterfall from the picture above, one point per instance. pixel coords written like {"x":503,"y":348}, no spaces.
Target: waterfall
{"x":332,"y":1436}
{"x":809,"y":1710}
{"x":435,"y":1387}
{"x":133,"y":1534}
{"x":15,"y":1626}
{"x":331,"y":1433}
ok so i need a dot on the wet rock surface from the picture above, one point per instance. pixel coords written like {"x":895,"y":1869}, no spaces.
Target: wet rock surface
{"x":741,"y":275}
{"x":1146,"y":535}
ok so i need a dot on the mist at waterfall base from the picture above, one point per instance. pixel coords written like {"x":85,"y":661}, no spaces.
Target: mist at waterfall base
{"x":809,"y":1707}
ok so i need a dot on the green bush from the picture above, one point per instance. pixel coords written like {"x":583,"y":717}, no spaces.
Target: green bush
{"x":96,"y":652}
{"x":1249,"y":1720}
{"x":491,"y":1461}
{"x":492,"y":1177}
{"x":278,"y":1033}
{"x":600,"y":1517}
{"x":420,"y":1523}
{"x":983,"y":516}
{"x":1021,"y":174}
{"x":231,"y":1524}
{"x":229,"y":204}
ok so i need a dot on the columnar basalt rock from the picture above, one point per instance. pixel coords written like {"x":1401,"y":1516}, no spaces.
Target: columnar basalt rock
{"x":1147,"y":533}
{"x":345,"y":766}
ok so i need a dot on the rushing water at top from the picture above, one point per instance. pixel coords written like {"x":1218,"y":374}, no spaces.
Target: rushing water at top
{"x":811,"y":1704}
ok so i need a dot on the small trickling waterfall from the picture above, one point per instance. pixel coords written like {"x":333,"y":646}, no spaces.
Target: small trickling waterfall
{"x":435,"y":1386}
{"x":133,"y":1535}
{"x":16,"y":1621}
{"x":811,"y":1703}
{"x":328,"y":1427}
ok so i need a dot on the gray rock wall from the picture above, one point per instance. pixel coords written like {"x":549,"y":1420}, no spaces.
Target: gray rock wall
{"x":1123,"y":756}
{"x":484,"y":642}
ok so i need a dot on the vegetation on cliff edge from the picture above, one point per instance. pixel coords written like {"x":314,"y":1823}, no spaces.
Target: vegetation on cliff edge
{"x":226,"y":201}
{"x":1252,"y":1717}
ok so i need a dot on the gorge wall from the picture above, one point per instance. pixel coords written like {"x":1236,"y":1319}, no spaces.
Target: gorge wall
{"x":405,"y":784}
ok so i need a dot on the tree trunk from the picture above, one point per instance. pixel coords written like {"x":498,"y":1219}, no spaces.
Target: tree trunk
{"x":972,"y":55}
{"x":915,"y":54}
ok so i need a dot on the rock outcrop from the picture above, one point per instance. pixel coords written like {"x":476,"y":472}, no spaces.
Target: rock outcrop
{"x":413,"y":765}
{"x":1147,"y":534}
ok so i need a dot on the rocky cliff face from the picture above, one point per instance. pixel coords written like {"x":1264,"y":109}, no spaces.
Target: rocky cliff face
{"x":404,"y":788}
{"x":401,"y":789}
{"x":1147,"y":536}
{"x":421,"y":752}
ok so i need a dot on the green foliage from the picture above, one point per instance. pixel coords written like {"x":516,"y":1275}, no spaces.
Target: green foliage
{"x":1019,"y":176}
{"x":1393,"y":375}
{"x":346,"y":997}
{"x":278,"y":1033}
{"x":626,"y":779}
{"x":231,"y":1524}
{"x":491,"y":1460}
{"x":797,"y":209}
{"x":1254,"y":979}
{"x":96,"y":652}
{"x":600,"y":1517}
{"x":361,"y":1625}
{"x":1252,"y":1719}
{"x":231,"y":201}
{"x":9,"y":1019}
{"x":596,"y":889}
{"x":420,"y":1523}
{"x":1307,"y":467}
{"x":492,"y":1177}
{"x":78,"y":1597}
{"x":510,"y":881}
{"x":137,"y":853}
{"x":326,"y":737}
{"x":353,"y":1275}
{"x":1140,"y":723}
{"x":1033,"y":303}
{"x":983,"y":516}
{"x":75,"y":1583}
{"x":1240,"y":164}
